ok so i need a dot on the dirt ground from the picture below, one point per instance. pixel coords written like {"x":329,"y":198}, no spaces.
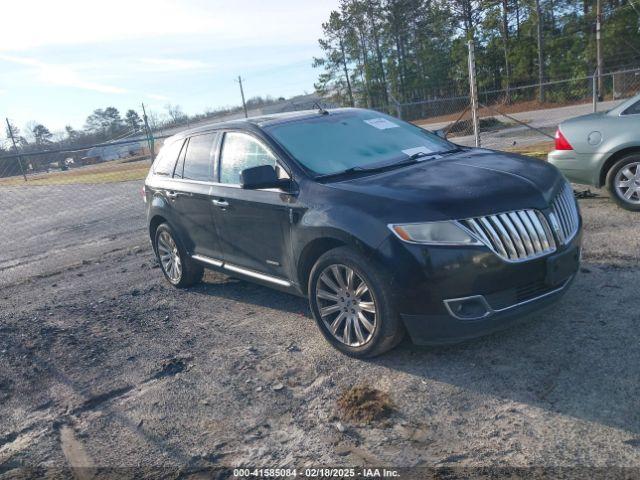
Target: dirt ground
{"x":104,"y":365}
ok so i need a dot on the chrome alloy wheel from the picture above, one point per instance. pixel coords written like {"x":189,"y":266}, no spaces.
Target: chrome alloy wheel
{"x":627,"y":183}
{"x":169,"y":257}
{"x":346,"y":305}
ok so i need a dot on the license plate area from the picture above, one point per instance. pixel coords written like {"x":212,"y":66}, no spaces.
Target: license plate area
{"x":562,"y":266}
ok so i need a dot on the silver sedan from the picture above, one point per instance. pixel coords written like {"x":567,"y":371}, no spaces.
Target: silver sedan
{"x":603,"y":149}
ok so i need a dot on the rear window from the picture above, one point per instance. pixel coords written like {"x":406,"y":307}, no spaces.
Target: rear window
{"x":165,"y":162}
{"x":199,"y":160}
{"x":633,"y":109}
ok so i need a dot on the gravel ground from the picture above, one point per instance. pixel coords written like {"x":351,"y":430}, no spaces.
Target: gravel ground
{"x":105,"y":365}
{"x":46,"y":228}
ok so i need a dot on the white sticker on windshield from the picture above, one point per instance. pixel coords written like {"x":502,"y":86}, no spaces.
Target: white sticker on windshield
{"x":413,"y":151}
{"x":381,"y":123}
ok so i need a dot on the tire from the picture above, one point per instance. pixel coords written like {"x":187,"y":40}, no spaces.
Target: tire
{"x":337,"y":305}
{"x":179,"y":270}
{"x":620,"y":172}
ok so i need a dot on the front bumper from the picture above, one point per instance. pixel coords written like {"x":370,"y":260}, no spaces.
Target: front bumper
{"x":429,"y":282}
{"x":577,"y":167}
{"x":444,"y":329}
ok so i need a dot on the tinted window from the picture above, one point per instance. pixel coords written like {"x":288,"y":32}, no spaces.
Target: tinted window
{"x":332,"y":143}
{"x":199,"y":160}
{"x":166,"y":159}
{"x":633,"y":109}
{"x":240,"y":151}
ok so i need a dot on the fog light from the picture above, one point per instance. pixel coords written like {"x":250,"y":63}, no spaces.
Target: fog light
{"x":469,"y":308}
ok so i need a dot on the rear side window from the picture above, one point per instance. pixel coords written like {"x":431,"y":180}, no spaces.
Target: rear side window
{"x":165,"y":162}
{"x":199,"y":160}
{"x":241,"y":151}
{"x":633,"y":109}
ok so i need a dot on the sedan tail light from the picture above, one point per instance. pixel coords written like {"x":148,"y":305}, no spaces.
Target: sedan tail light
{"x":561,"y":141}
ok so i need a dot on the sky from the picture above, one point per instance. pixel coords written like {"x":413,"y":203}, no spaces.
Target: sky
{"x":61,"y":60}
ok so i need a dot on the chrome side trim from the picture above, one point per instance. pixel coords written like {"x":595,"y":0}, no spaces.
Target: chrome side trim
{"x":210,"y":261}
{"x":244,"y":271}
{"x":491,"y":310}
{"x":258,"y":275}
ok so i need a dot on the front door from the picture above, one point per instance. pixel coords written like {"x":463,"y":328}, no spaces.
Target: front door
{"x":254,"y":224}
{"x":193,"y":179}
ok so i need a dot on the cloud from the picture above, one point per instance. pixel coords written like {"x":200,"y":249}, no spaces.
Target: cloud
{"x":155,"y":96}
{"x":61,"y":75}
{"x":78,"y":22}
{"x":173,"y":64}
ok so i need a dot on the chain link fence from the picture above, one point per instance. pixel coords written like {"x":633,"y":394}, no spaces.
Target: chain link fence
{"x":65,"y":202}
{"x":522,"y":118}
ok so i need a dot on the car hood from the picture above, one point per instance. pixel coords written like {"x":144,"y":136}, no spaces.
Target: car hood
{"x":465,"y":184}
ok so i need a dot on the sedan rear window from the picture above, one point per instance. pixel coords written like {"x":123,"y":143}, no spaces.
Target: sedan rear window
{"x":332,"y":143}
{"x":633,"y":109}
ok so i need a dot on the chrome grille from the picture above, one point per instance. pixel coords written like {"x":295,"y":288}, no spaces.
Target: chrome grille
{"x":565,"y":214}
{"x":514,"y":236}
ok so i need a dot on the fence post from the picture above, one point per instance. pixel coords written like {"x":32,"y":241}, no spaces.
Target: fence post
{"x":15,"y":147}
{"x":398,"y":106}
{"x":473,"y":90}
{"x":594,"y":87}
{"x":150,"y":141}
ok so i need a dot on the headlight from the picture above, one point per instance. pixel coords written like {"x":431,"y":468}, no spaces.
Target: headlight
{"x":439,"y":233}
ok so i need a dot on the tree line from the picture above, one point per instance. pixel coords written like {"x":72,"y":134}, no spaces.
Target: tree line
{"x":379,"y":52}
{"x":101,"y":126}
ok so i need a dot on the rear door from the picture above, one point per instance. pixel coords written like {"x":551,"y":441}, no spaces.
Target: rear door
{"x":193,"y":179}
{"x":254,"y":224}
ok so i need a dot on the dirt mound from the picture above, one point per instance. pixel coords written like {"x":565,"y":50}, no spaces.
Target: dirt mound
{"x":362,"y":403}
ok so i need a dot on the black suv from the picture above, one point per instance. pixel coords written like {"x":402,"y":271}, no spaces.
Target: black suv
{"x":386,"y":227}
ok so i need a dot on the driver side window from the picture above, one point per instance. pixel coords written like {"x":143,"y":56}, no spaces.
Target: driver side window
{"x":241,"y":151}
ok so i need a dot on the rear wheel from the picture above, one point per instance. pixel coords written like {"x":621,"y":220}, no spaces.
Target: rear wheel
{"x":180,"y":270}
{"x":623,"y":182}
{"x":352,"y":304}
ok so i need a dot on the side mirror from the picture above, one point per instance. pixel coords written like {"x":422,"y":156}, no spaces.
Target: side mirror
{"x":442,"y":133}
{"x":263,"y":176}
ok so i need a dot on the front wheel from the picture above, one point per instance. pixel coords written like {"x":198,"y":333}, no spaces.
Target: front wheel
{"x":623,"y":182}
{"x":352,"y":303}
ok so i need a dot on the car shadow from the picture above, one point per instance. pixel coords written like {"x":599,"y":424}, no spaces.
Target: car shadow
{"x":579,"y":359}
{"x":217,"y":284}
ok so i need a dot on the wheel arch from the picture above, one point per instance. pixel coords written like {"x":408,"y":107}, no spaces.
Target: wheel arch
{"x":317,"y":247}
{"x":154,"y":223}
{"x":604,"y":171}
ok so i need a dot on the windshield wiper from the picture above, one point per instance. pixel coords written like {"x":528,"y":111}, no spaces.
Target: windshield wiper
{"x":411,"y":159}
{"x":360,"y":169}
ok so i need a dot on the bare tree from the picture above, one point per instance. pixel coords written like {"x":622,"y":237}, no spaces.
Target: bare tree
{"x":175,"y":112}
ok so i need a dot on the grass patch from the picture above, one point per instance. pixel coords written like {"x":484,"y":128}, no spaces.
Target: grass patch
{"x":108,"y":172}
{"x":364,"y":404}
{"x":537,"y":150}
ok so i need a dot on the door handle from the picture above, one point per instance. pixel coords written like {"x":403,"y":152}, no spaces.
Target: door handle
{"x":220,"y":203}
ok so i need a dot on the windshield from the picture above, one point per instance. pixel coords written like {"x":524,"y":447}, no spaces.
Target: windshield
{"x":343,"y":140}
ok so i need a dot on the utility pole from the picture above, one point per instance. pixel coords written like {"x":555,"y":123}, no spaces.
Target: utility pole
{"x":15,"y":147}
{"x":473,"y":91}
{"x":244,"y":104}
{"x":541,"y":93}
{"x":599,"y":46}
{"x":150,"y":142}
